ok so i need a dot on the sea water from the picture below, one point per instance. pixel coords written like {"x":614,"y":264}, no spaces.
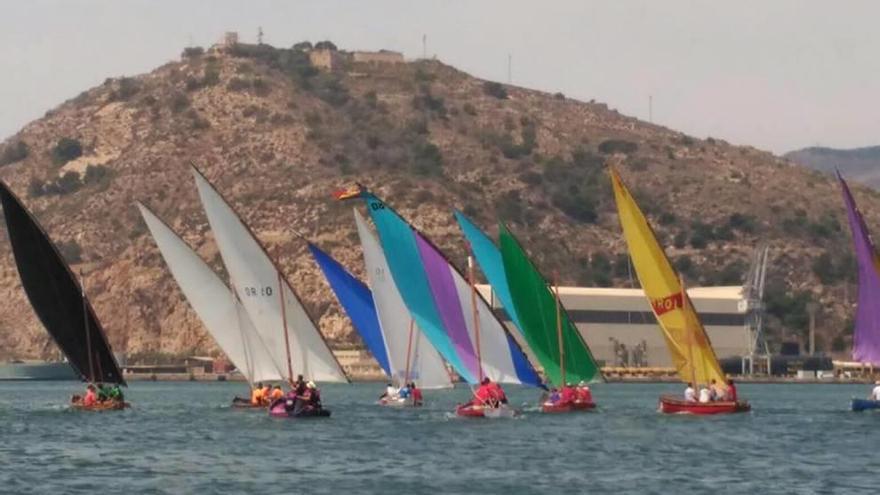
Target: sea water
{"x":183,"y":438}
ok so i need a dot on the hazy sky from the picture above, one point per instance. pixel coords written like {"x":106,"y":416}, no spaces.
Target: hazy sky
{"x":778,"y":75}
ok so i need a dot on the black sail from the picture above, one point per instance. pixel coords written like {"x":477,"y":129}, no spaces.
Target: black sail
{"x":56,"y":296}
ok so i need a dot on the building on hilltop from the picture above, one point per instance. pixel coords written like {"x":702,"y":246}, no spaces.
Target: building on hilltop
{"x":325,"y":58}
{"x":380,"y":57}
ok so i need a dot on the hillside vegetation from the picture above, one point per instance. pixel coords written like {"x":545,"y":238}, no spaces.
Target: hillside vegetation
{"x":277,"y":136}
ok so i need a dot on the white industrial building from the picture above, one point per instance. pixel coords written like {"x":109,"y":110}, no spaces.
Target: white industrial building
{"x":621,"y":330}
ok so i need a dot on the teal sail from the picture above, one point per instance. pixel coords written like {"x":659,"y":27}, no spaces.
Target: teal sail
{"x":490,"y":261}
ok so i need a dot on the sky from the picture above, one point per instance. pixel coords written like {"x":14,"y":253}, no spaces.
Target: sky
{"x":777,"y":75}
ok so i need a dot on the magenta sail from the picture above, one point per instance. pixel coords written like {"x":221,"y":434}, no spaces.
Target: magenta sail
{"x":446,"y":297}
{"x":866,"y":336}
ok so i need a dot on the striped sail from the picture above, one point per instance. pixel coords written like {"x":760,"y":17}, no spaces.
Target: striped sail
{"x":686,"y":338}
{"x":866,"y":334}
{"x":439,"y":299}
{"x":410,"y":356}
{"x":216,"y":305}
{"x":357,"y":301}
{"x":261,"y":288}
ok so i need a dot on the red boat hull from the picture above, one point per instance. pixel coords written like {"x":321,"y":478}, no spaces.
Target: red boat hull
{"x":674,"y":405}
{"x":567,"y":408}
{"x":472,"y":411}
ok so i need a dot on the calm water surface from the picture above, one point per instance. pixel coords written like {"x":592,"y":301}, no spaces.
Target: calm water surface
{"x":183,"y":438}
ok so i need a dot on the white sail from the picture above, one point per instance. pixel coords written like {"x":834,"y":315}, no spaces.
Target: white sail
{"x":426,"y":367}
{"x":261,"y":289}
{"x":214,"y":303}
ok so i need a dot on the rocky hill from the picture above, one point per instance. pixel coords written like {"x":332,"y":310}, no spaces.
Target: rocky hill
{"x":858,"y":164}
{"x":276,"y":135}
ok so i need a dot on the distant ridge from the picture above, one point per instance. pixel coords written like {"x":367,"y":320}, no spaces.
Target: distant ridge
{"x":857,"y":164}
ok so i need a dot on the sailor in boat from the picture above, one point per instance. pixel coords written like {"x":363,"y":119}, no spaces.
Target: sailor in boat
{"x":567,"y":395}
{"x":497,"y":392}
{"x":690,"y":394}
{"x":257,"y":395}
{"x":875,"y":393}
{"x":314,"y":395}
{"x":115,"y":393}
{"x":404,"y":392}
{"x":714,"y":391}
{"x":705,"y":395}
{"x":91,"y":397}
{"x":555,"y":396}
{"x":276,"y":394}
{"x":730,"y":393}
{"x":103,"y":392}
{"x":390,"y":393}
{"x":584,"y":395}
{"x":485,"y":396}
{"x":416,"y":393}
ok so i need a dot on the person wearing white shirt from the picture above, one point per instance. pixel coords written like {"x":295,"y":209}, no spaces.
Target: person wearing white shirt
{"x":705,"y":396}
{"x":875,"y":394}
{"x":690,"y":394}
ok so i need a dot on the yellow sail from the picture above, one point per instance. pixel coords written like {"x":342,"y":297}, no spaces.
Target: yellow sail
{"x":685,"y":336}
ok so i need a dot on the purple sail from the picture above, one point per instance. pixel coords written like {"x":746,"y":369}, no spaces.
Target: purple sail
{"x":447,"y":302}
{"x":866,"y":337}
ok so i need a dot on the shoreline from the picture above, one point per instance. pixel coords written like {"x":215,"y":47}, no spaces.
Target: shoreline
{"x":370,"y":378}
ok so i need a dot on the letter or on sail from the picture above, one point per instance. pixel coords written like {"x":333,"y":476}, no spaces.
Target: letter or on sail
{"x":686,"y":338}
{"x":410,"y":356}
{"x":866,"y":334}
{"x":217,"y":306}
{"x":443,"y":306}
{"x":274,"y":308}
{"x":57,"y":297}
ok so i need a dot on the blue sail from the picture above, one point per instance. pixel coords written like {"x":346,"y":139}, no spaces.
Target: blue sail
{"x":357,"y":300}
{"x":399,"y":243}
{"x":489,"y":258}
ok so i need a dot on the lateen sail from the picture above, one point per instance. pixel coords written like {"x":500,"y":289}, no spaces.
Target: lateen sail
{"x":686,"y":338}
{"x":260,"y":287}
{"x":536,"y":307}
{"x":489,"y":258}
{"x":439,"y":299}
{"x":866,"y":335}
{"x":357,"y":300}
{"x":410,"y":355}
{"x":217,"y":306}
{"x":57,"y":297}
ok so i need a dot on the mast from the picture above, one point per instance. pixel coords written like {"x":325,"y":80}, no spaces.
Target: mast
{"x":690,"y":334}
{"x":559,"y":330}
{"x":286,"y":336}
{"x":470,"y":263}
{"x":82,"y":291}
{"x":408,"y":352}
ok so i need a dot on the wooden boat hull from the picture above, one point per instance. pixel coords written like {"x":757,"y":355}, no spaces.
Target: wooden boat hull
{"x":474,"y":411}
{"x":278,"y":409}
{"x":674,"y":405}
{"x":108,"y":405}
{"x":398,"y":403}
{"x":859,"y":405}
{"x":576,"y":406}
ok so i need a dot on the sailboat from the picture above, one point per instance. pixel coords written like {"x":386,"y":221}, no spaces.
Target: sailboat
{"x":60,"y":301}
{"x":456,"y":320}
{"x":537,"y":311}
{"x":380,"y":317}
{"x":289,"y":333}
{"x":866,"y":334}
{"x":685,"y":336}
{"x":217,"y":306}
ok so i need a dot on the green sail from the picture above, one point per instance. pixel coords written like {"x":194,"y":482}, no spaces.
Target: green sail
{"x":536,"y":308}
